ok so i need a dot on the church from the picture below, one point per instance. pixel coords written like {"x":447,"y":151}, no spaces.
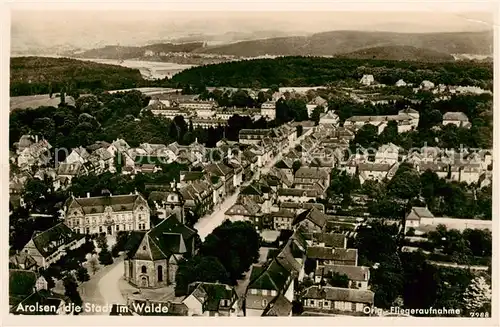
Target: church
{"x":107,"y":214}
{"x":153,"y":262}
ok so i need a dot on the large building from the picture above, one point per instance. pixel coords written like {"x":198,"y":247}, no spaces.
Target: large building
{"x":107,"y":214}
{"x":153,"y":263}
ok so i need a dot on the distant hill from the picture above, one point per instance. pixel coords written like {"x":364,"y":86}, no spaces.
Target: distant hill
{"x":126,"y":52}
{"x":400,"y":52}
{"x":313,"y":71}
{"x":336,"y":42}
{"x":42,"y":75}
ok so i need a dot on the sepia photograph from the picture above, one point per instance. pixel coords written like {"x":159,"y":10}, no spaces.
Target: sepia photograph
{"x":211,"y":163}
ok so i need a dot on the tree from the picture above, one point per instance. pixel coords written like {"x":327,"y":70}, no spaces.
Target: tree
{"x":82,"y":274}
{"x":71,"y":291}
{"x":315,"y":115}
{"x":105,"y":257}
{"x":338,"y":280}
{"x":94,"y":265}
{"x":199,"y":269}
{"x":235,"y":244}
{"x":405,"y":184}
{"x":480,"y":241}
{"x":478,"y":295}
{"x":296,"y":165}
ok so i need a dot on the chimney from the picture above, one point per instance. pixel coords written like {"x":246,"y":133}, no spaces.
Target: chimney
{"x":88,"y":194}
{"x":36,"y":138}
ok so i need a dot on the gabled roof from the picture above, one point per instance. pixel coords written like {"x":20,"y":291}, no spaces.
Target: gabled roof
{"x":48,"y":241}
{"x":314,"y":173}
{"x":99,"y":203}
{"x":418,"y":213}
{"x":327,"y":253}
{"x":165,"y":239}
{"x":315,"y":216}
{"x":270,"y":277}
{"x":278,"y":307}
{"x":211,"y":294}
{"x":71,"y":169}
{"x":455,"y":115}
{"x":22,"y":260}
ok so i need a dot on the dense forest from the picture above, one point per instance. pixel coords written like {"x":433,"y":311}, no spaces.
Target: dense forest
{"x":40,"y":75}
{"x":312,"y":71}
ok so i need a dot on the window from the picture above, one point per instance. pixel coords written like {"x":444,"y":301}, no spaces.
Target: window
{"x":273,"y":293}
{"x":144,"y":247}
{"x":264,"y":302}
{"x":359,"y":284}
{"x":143,"y":269}
{"x":253,"y":291}
{"x":100,"y":229}
{"x":264,"y":292}
{"x":87,"y":230}
{"x":117,"y":227}
{"x":160,"y":273}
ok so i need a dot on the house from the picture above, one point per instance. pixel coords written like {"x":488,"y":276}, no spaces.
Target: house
{"x":316,"y":102}
{"x":426,"y":85}
{"x":36,"y":153}
{"x":71,"y":170}
{"x":456,"y":118}
{"x":441,"y":169}
{"x":196,"y":105}
{"x":306,"y":177}
{"x":302,"y":206}
{"x":405,"y":122}
{"x":211,"y":299}
{"x":400,"y":83}
{"x":417,"y":216}
{"x":197,"y":197}
{"x":367,"y":80}
{"x":470,"y":173}
{"x":225,"y":173}
{"x":333,"y":240}
{"x":79,"y":154}
{"x":50,"y":245}
{"x":376,"y":171}
{"x":336,"y":300}
{"x":283,"y":219}
{"x":266,"y":283}
{"x":332,"y":256}
{"x":22,"y":260}
{"x":118,"y":146}
{"x":358,"y":276}
{"x":329,"y":118}
{"x":107,"y":214}
{"x":387,"y":153}
{"x":280,"y":306}
{"x":168,"y":202}
{"x":244,"y":209}
{"x":102,"y":160}
{"x":297,"y":195}
{"x":268,"y":110}
{"x":312,"y":220}
{"x":28,"y":290}
{"x":253,"y":136}
{"x":154,"y":262}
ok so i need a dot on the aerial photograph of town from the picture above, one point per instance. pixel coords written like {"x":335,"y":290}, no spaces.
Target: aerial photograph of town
{"x":248,"y":164}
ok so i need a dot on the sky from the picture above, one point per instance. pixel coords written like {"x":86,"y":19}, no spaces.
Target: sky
{"x":92,"y":28}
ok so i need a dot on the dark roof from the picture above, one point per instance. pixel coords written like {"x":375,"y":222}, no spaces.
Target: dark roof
{"x":315,"y":173}
{"x":22,"y":260}
{"x":270,"y":277}
{"x":283,"y":213}
{"x":97,"y":204}
{"x":166,"y":239}
{"x":324,"y":253}
{"x":313,"y":215}
{"x":339,"y":294}
{"x":279,"y":306}
{"x":48,"y":241}
{"x":21,"y":282}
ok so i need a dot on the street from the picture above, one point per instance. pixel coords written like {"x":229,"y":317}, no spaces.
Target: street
{"x":102,"y":288}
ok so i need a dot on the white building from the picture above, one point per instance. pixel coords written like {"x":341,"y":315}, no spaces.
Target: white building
{"x":456,"y":118}
{"x":387,"y":153}
{"x":268,"y":110}
{"x":107,"y":214}
{"x":329,"y":118}
{"x":400,"y":83}
{"x":367,"y":80}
